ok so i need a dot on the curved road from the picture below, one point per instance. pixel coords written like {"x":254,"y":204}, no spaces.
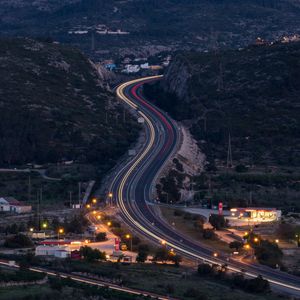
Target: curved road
{"x":133,"y":184}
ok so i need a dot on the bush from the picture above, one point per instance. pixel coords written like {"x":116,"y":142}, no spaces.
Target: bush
{"x":18,"y":241}
{"x":143,"y":252}
{"x":236,"y":245}
{"x":101,"y":236}
{"x":217,"y":221}
{"x":205,"y":269}
{"x":241,"y":168}
{"x":208,"y":234}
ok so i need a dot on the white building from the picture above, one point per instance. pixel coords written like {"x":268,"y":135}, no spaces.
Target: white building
{"x":131,"y":69}
{"x":55,"y":251}
{"x":10,"y":204}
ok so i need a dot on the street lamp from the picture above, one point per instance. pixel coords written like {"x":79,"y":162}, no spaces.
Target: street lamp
{"x":277,"y":241}
{"x":98,"y":217}
{"x":44,"y":225}
{"x":94,"y":200}
{"x":110,"y":196}
{"x":128,"y":236}
{"x":163,"y":242}
{"x":88,"y":206}
{"x":109,"y":223}
{"x":31,"y":229}
{"x":60,"y":231}
{"x":215,"y":254}
{"x":94,"y":212}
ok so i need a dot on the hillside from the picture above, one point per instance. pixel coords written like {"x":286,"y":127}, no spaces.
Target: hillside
{"x":253,"y":94}
{"x":54,"y":107}
{"x":152,"y":25}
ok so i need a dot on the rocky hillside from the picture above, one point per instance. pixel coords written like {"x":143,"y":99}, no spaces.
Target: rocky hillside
{"x":54,"y":107}
{"x":252,"y":94}
{"x":152,"y":25}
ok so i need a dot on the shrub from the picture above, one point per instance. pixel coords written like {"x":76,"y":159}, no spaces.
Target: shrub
{"x":101,"y":236}
{"x":205,"y":269}
{"x":18,"y":241}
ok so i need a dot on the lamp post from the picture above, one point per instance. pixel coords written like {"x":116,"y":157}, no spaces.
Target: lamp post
{"x":60,"y":231}
{"x":129,"y":237}
{"x":110,"y":196}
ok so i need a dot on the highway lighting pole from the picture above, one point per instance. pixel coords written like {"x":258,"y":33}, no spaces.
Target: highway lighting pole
{"x":60,"y":231}
{"x":128,"y":236}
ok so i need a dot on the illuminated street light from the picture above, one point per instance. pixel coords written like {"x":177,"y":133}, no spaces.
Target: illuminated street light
{"x":276,"y":241}
{"x":98,"y":217}
{"x":31,"y":229}
{"x":88,"y":206}
{"x":163,"y":242}
{"x":215,"y":254}
{"x":110,"y":195}
{"x":246,"y":233}
{"x":247,"y":246}
{"x":255,"y":239}
{"x":94,"y":212}
{"x":128,"y":237}
{"x":44,"y":225}
{"x":94,"y":200}
{"x":60,"y":231}
{"x":108,"y":223}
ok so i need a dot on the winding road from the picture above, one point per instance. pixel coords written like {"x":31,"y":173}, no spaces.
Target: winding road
{"x":133,"y":184}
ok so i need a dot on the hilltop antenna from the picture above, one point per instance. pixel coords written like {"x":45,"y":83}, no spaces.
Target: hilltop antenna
{"x":229,"y":153}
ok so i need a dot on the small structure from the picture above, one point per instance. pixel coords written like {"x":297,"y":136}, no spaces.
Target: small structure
{"x":10,"y":204}
{"x":255,"y":214}
{"x":54,"y":251}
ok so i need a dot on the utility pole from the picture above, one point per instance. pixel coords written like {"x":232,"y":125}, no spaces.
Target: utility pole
{"x":70,"y":192}
{"x":38,"y":210}
{"x":229,"y":153}
{"x":29,"y":188}
{"x":79,"y":193}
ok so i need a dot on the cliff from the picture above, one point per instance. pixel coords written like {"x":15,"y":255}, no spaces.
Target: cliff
{"x":252,"y":94}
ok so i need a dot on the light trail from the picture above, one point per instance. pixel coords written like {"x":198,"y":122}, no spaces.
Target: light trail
{"x":138,"y":159}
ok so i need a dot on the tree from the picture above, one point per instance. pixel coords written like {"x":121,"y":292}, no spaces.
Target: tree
{"x":217,"y":221}
{"x":204,"y":269}
{"x":143,"y":252}
{"x":90,"y":254}
{"x":208,"y":234}
{"x":236,"y":245}
{"x":268,"y":253}
{"x":175,"y":258}
{"x":257,"y":285}
{"x":241,"y":168}
{"x":161,"y":254}
{"x":18,"y":241}
{"x":101,"y":236}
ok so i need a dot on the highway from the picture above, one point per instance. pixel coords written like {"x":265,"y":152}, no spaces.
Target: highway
{"x":133,"y":184}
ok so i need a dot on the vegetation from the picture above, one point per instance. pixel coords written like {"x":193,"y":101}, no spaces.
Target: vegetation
{"x":18,"y":241}
{"x":91,"y":254}
{"x":72,"y":116}
{"x":217,"y":221}
{"x":256,"y":285}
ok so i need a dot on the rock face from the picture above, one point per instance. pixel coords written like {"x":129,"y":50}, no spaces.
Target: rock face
{"x":252,"y":95}
{"x":54,"y":106}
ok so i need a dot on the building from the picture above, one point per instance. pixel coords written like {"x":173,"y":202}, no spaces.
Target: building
{"x":10,"y":204}
{"x":254,"y":214}
{"x":54,"y":251}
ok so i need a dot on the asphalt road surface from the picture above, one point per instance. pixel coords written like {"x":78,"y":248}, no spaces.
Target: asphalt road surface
{"x":133,"y":184}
